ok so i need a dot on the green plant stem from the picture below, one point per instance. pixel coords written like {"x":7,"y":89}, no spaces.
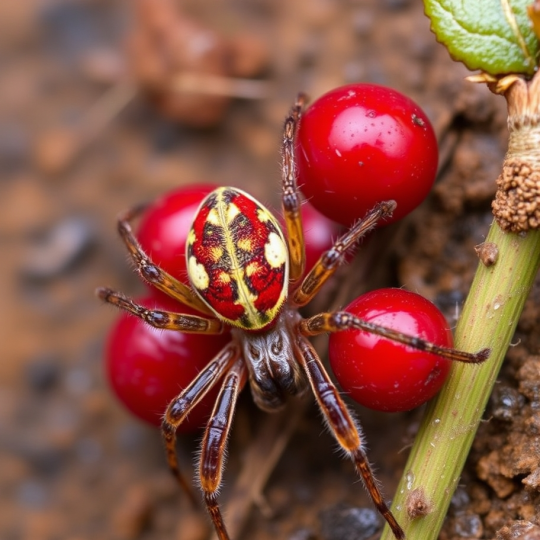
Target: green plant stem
{"x":489,"y":319}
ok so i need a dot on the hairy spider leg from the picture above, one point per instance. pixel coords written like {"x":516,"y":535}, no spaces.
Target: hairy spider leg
{"x":341,"y":320}
{"x":329,"y":261}
{"x":214,"y":444}
{"x":164,"y":320}
{"x":290,"y":195}
{"x":342,"y":426}
{"x":150,"y":272}
{"x":183,"y":404}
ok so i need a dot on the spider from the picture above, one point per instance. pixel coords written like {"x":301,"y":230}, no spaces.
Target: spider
{"x":246,"y":274}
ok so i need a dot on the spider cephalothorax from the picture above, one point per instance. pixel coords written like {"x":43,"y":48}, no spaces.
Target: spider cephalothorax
{"x":245,"y":273}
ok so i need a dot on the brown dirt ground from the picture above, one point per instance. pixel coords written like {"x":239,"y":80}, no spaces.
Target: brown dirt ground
{"x":73,"y":464}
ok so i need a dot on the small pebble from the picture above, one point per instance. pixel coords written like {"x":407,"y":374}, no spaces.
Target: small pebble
{"x":344,"y":521}
{"x":522,"y":529}
{"x":506,"y":402}
{"x":468,"y":525}
{"x":460,"y":499}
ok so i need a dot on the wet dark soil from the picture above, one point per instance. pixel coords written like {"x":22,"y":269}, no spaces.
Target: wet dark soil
{"x":73,"y":464}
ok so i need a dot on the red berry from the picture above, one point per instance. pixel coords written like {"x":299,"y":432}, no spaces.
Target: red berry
{"x":383,"y":374}
{"x":165,"y":226}
{"x":361,"y":144}
{"x":320,"y":234}
{"x":147,"y":368}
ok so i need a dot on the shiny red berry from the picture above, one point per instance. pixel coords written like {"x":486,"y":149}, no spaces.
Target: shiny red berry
{"x":165,"y":225}
{"x":361,"y":144}
{"x":383,"y":374}
{"x":320,"y":233}
{"x":147,"y":368}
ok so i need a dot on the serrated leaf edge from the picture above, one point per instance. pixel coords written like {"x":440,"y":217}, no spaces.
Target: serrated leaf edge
{"x":528,"y":61}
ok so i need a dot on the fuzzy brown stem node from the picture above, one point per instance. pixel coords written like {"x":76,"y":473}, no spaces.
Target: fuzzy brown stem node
{"x":517,"y":203}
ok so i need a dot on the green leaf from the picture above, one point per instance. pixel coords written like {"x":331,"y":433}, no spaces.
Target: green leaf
{"x":494,"y":36}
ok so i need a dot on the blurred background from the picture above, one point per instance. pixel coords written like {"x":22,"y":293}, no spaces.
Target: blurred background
{"x":105,"y":104}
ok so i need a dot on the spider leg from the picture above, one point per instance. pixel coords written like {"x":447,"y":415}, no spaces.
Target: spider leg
{"x":150,"y":272}
{"x":341,"y":320}
{"x":343,"y":427}
{"x":290,"y":195}
{"x":215,"y":442}
{"x":329,"y":261}
{"x":166,"y":320}
{"x":181,"y":406}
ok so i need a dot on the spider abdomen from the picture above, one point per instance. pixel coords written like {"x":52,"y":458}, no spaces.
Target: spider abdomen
{"x":238,"y":259}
